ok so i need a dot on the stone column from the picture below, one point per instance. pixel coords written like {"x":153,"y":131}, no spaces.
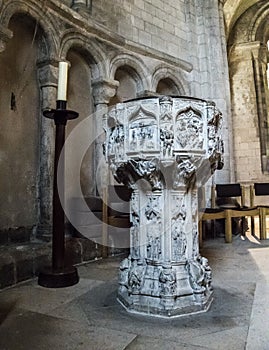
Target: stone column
{"x":249,"y":104}
{"x":5,"y":35}
{"x":103,"y":91}
{"x":164,"y":149}
{"x":260,"y":54}
{"x":47,"y":74}
{"x":223,"y":100}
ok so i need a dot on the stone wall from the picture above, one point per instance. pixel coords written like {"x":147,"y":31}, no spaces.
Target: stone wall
{"x":174,"y":46}
{"x":160,"y":25}
{"x":79,"y":96}
{"x":194,"y":32}
{"x":245,"y":118}
{"x":19,"y":140}
{"x":248,"y":57}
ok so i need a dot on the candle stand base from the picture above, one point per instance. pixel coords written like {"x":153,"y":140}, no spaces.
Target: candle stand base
{"x":64,"y":277}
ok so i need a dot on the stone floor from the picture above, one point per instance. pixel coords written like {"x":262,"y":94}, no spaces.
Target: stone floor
{"x":88,"y":317}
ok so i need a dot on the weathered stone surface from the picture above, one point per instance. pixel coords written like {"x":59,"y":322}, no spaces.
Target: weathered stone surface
{"x":7,"y":270}
{"x":73,"y":251}
{"x":20,"y":235}
{"x":90,"y":250}
{"x":163,"y":148}
{"x":146,"y":42}
{"x":19,"y":262}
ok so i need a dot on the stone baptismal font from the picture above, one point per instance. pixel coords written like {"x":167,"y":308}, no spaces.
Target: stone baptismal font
{"x":164,"y":149}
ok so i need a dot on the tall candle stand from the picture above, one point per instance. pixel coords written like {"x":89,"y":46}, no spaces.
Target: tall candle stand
{"x":58,"y":275}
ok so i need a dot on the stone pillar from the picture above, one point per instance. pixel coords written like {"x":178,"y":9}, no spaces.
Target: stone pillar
{"x":248,"y":63}
{"x":223,"y":100}
{"x":103,"y":91}
{"x":48,"y":74}
{"x":5,"y":35}
{"x":260,"y":54}
{"x":164,"y":149}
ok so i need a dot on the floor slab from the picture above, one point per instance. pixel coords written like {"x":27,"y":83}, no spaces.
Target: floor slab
{"x":88,"y":315}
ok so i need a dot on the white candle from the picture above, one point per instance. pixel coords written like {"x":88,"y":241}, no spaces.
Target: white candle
{"x":62,"y":81}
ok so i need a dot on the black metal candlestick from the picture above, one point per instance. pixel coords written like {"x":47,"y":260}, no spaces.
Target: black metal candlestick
{"x":59,"y":275}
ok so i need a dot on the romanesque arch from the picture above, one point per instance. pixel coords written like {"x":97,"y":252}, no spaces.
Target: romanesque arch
{"x":168,"y":81}
{"x":89,"y":49}
{"x":20,"y":121}
{"x":83,"y":67}
{"x":233,"y":9}
{"x":132,"y":73}
{"x":34,"y":10}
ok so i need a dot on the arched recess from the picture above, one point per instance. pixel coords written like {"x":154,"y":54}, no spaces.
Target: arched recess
{"x":79,"y":97}
{"x":133,"y":77}
{"x":248,"y":57}
{"x":128,"y":84}
{"x":20,"y":126}
{"x":166,"y":81}
{"x":48,"y":42}
{"x":166,"y":86}
{"x":233,"y":9}
{"x":88,"y":48}
{"x":46,"y":39}
{"x":88,"y":64}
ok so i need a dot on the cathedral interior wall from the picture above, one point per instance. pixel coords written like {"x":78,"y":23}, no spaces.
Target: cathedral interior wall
{"x":19,"y":131}
{"x":145,"y":47}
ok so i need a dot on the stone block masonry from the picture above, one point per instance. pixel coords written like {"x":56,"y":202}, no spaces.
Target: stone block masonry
{"x":153,"y":19}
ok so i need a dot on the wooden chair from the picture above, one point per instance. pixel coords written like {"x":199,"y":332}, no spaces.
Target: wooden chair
{"x":240,"y":210}
{"x":208,"y":214}
{"x":116,"y":213}
{"x":260,"y":189}
{"x":228,"y":209}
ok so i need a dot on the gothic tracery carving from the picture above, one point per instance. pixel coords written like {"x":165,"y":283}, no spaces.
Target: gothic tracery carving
{"x":168,"y":143}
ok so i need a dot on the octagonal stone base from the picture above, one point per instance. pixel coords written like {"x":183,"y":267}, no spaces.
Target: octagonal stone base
{"x":165,"y":291}
{"x":153,"y":307}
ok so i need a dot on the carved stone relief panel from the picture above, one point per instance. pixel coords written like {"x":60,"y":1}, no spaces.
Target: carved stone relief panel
{"x":167,"y":281}
{"x":153,"y":217}
{"x":142,"y":131}
{"x":178,"y":235}
{"x":167,"y":141}
{"x":135,"y":220}
{"x":189,"y":129}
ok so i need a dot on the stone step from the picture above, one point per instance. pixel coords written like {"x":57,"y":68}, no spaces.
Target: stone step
{"x":24,"y":261}
{"x":22,"y":258}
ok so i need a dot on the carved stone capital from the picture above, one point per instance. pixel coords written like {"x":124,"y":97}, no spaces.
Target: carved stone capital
{"x":103,"y":90}
{"x":48,"y":73}
{"x":5,"y":35}
{"x":82,"y":6}
{"x":48,"y":81}
{"x":248,"y":51}
{"x":260,"y":52}
{"x":79,"y":3}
